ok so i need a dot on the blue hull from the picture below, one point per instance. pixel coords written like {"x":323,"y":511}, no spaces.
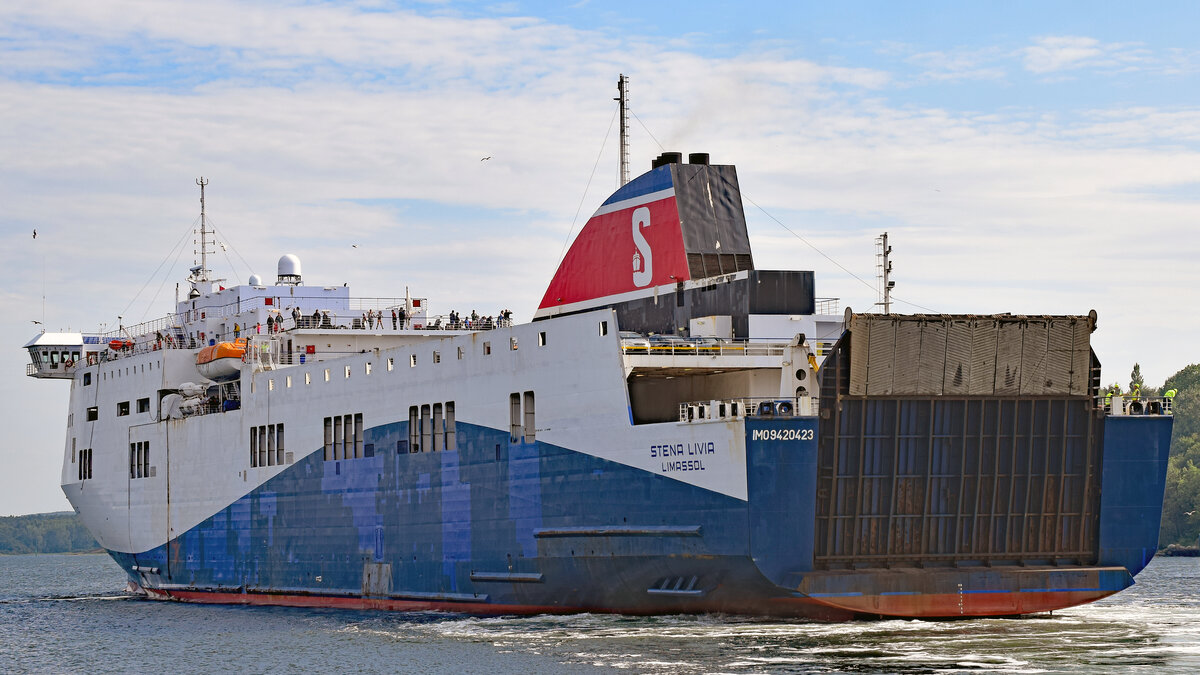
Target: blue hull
{"x":497,"y":527}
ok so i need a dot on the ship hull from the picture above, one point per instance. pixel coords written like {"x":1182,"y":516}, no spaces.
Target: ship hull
{"x":535,"y":528}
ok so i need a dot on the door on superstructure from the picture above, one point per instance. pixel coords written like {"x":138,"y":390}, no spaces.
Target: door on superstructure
{"x":146,"y":471}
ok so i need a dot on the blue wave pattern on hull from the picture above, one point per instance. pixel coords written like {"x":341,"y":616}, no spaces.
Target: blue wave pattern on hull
{"x":439,"y":518}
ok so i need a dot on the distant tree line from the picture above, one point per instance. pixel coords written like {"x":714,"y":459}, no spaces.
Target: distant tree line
{"x":1181,"y":506}
{"x":45,"y":533}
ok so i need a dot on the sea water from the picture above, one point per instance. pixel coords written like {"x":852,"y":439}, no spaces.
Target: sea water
{"x":69,"y":614}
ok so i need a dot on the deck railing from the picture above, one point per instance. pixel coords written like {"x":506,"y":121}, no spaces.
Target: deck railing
{"x":770,"y":407}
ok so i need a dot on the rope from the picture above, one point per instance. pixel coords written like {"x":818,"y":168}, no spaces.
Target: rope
{"x":823,"y":255}
{"x":563,"y":252}
{"x":155,"y":272}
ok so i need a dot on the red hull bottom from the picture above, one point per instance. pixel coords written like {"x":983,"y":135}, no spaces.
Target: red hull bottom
{"x":803,"y":608}
{"x":822,"y":596}
{"x":966,"y":592}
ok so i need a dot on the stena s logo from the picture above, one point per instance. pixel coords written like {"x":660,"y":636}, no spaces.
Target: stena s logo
{"x":643,"y":257}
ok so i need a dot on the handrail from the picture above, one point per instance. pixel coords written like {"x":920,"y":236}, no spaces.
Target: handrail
{"x":748,"y":406}
{"x":826,"y":306}
{"x":355,"y":307}
{"x":1136,"y":405}
{"x":149,"y":342}
{"x":724,"y":347}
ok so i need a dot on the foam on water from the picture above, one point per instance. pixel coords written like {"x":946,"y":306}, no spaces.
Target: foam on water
{"x":67,"y":614}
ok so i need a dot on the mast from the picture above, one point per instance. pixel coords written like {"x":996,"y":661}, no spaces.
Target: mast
{"x":623,"y":100}
{"x":202,"y":274}
{"x":883,"y":263}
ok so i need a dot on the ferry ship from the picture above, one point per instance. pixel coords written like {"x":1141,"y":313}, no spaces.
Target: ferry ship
{"x":676,"y":431}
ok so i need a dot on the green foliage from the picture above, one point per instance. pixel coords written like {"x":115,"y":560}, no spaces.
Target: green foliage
{"x":1181,"y":505}
{"x":1187,"y":379}
{"x":1135,"y":377}
{"x":45,"y":533}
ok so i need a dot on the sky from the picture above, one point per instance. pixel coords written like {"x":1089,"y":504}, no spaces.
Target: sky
{"x":1024,"y":157}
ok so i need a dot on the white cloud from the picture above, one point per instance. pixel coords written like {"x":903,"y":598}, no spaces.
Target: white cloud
{"x":1053,"y":54}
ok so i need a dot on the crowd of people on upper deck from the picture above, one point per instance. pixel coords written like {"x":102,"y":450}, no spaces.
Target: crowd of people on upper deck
{"x":372,"y":319}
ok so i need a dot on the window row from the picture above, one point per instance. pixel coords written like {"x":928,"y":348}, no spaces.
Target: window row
{"x":431,"y":428}
{"x":143,"y":406}
{"x":117,"y":372}
{"x":344,"y":437}
{"x":84,"y":466}
{"x":139,"y":460}
{"x":266,"y":445}
{"x":522,"y":423}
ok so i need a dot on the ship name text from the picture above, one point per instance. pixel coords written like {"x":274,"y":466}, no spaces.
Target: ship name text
{"x":669,"y":451}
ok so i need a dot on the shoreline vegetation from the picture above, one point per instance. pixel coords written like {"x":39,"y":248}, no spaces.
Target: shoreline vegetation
{"x":60,"y":532}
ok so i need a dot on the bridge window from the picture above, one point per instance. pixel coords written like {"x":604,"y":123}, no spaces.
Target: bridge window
{"x":603,"y":328}
{"x":87,"y":379}
{"x":143,"y":405}
{"x":122,"y":408}
{"x":93,"y":414}
{"x":542,"y":339}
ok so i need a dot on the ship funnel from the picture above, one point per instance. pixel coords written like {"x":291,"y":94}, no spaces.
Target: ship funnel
{"x":698,"y":158}
{"x":667,"y":158}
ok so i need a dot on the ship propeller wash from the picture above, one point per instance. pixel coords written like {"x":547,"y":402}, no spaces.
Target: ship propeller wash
{"x":659,"y":439}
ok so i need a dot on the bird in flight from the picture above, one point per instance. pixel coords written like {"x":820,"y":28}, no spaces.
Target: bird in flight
{"x":353,"y":245}
{"x":1186,"y":513}
{"x":36,"y":322}
{"x":35,"y":233}
{"x":486,"y":158}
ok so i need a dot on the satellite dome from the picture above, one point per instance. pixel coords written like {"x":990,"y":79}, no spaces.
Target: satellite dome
{"x":255,"y":280}
{"x":289,"y":270}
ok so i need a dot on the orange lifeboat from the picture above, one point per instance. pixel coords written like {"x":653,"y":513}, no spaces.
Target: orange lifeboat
{"x":222,"y":361}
